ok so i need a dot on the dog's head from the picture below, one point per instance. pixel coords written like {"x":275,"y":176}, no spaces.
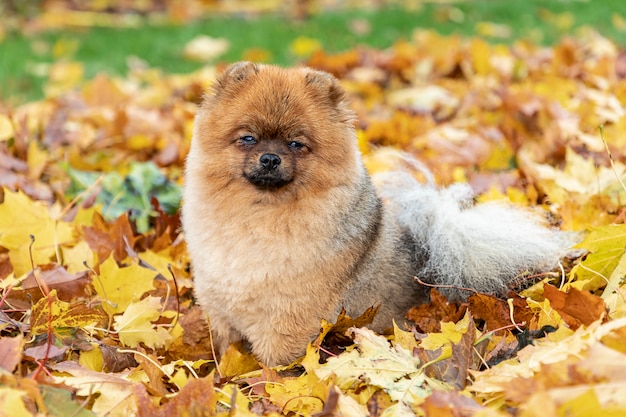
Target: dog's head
{"x":276,"y":130}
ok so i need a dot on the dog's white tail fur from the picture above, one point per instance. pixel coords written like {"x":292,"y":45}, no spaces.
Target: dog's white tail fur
{"x":458,"y":244}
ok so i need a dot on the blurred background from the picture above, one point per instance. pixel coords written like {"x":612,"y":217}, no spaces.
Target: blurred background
{"x":48,"y":46}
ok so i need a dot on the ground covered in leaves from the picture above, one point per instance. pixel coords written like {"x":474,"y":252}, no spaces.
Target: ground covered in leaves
{"x":97,"y":314}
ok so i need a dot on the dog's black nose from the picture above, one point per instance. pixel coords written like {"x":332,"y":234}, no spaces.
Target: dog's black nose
{"x":269,"y":161}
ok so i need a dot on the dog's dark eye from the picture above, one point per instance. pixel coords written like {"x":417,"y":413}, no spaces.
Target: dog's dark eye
{"x":296,"y":145}
{"x":247,"y":140}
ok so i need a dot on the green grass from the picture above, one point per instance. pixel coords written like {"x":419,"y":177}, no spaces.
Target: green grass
{"x":107,"y":49}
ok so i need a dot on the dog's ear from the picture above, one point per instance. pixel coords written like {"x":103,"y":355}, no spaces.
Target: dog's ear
{"x":235,"y":73}
{"x":326,"y":86}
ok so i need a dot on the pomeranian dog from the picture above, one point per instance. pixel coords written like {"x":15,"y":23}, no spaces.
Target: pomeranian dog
{"x":284,"y":226}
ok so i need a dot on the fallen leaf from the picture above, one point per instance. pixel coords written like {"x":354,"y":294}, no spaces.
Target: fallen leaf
{"x":115,"y":391}
{"x":196,"y":398}
{"x":496,"y":313}
{"x":12,"y":402}
{"x":427,"y":317}
{"x":135,"y":325}
{"x":575,"y":307}
{"x":112,"y":285}
{"x":50,"y":311}
{"x":61,"y":402}
{"x":11,"y":352}
{"x":235,"y":362}
{"x":449,"y":404}
{"x":34,"y":219}
{"x":394,"y":370}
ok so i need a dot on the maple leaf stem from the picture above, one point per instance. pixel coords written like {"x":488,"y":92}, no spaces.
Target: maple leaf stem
{"x":217,"y":363}
{"x":169,"y":268}
{"x":42,"y":285}
{"x":608,"y":151}
{"x":43,"y":368}
{"x":152,"y":361}
{"x":562,"y":275}
{"x":328,"y":352}
{"x":445,"y":286}
{"x":480,"y":356}
{"x":5,"y":295}
{"x":490,"y":333}
{"x":106,"y":298}
{"x":509,"y":301}
{"x":191,"y":370}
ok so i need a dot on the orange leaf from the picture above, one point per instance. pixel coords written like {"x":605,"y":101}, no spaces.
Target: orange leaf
{"x":575,"y":307}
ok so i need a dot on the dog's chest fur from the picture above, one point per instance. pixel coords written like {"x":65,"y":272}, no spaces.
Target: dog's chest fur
{"x":272,"y":261}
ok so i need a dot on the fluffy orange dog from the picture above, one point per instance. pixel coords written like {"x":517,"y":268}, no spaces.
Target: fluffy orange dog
{"x":284,"y":226}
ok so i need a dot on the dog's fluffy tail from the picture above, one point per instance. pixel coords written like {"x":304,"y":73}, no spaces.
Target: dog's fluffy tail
{"x":462,"y":245}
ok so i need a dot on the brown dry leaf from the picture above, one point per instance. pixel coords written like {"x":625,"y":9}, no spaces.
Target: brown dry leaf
{"x":496,"y":313}
{"x":105,"y":238}
{"x":115,"y":361}
{"x":449,"y":404}
{"x":334,"y":336}
{"x":68,"y":286}
{"x":576,"y":307}
{"x":257,"y":383}
{"x":427,"y":317}
{"x":456,"y":359}
{"x":11,"y":352}
{"x":147,"y":361}
{"x":196,"y":398}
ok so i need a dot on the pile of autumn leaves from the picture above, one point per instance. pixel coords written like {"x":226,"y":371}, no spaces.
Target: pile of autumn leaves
{"x":97,"y":309}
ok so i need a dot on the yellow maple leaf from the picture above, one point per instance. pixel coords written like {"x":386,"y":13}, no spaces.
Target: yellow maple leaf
{"x":6,"y":128}
{"x":299,"y":395}
{"x":403,"y":338}
{"x":231,"y":394}
{"x":12,"y":403}
{"x":119,"y":287}
{"x":394,"y":369}
{"x":451,"y":333}
{"x":92,"y":359}
{"x":606,"y":245}
{"x":235,"y":362}
{"x":75,"y":256}
{"x":60,"y":314}
{"x":135,"y":325}
{"x":21,"y":217}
